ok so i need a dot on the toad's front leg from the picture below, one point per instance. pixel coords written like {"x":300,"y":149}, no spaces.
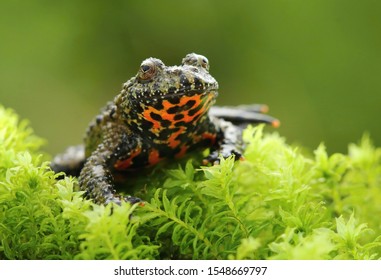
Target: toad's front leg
{"x":96,"y":177}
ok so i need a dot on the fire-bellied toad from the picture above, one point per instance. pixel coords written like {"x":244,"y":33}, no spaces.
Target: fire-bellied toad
{"x":163,"y":112}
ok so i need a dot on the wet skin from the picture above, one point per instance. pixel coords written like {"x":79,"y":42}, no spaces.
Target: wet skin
{"x":162,"y":113}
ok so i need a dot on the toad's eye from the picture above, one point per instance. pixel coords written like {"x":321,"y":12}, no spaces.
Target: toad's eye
{"x":145,"y":68}
{"x":204,"y":63}
{"x":147,"y":71}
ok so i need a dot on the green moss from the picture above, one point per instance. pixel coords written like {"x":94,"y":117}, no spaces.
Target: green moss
{"x":276,"y":204}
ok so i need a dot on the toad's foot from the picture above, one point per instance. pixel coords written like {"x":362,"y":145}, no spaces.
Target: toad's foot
{"x":227,"y":151}
{"x":229,"y":142}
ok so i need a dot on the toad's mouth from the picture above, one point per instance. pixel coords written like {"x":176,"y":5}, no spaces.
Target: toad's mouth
{"x":186,"y":92}
{"x":173,"y":97}
{"x":178,"y":93}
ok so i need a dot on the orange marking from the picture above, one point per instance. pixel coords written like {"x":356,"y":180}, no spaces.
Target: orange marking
{"x":206,"y":105}
{"x":182,"y":152}
{"x":153,"y":157}
{"x":199,"y":99}
{"x":147,"y":116}
{"x":209,"y":136}
{"x":264,"y":109}
{"x":182,"y":102}
{"x":172,"y":141}
{"x":275,"y":123}
{"x":171,"y":117}
{"x":126,"y":163}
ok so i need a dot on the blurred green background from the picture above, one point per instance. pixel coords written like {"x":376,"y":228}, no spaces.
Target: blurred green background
{"x":316,"y":63}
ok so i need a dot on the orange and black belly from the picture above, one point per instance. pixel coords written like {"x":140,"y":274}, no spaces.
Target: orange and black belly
{"x":169,"y":129}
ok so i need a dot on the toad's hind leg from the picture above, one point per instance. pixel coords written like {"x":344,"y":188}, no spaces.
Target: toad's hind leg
{"x":244,"y":114}
{"x":70,"y":161}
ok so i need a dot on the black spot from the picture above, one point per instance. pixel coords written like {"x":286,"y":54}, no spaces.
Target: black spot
{"x":174,"y":110}
{"x":189,"y":104}
{"x":141,"y":160}
{"x":174,"y":99}
{"x":195,"y":110}
{"x":145,"y":125}
{"x":185,"y":82}
{"x":155,"y":116}
{"x":178,"y":117}
{"x":182,"y":123}
{"x":172,"y":90}
{"x":198,"y":84}
{"x":165,"y":123}
{"x":162,"y":136}
{"x":159,"y":106}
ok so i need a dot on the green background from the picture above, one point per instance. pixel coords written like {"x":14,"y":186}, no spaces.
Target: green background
{"x":316,"y":63}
